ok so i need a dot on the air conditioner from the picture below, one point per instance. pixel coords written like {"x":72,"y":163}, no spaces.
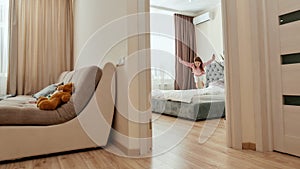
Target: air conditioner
{"x":202,"y":18}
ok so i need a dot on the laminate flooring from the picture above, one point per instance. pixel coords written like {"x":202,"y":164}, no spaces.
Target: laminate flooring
{"x":187,"y":153}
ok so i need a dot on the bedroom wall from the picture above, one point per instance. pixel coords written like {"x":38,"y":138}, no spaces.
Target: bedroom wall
{"x":209,"y":35}
{"x":162,"y":48}
{"x":209,"y":38}
{"x":89,"y":17}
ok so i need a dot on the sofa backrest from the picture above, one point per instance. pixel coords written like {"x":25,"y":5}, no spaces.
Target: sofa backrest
{"x":65,"y":77}
{"x":85,"y":82}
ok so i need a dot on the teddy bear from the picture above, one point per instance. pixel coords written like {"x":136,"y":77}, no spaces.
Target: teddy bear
{"x":60,"y":96}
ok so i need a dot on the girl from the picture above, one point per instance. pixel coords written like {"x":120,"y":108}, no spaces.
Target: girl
{"x":198,"y":69}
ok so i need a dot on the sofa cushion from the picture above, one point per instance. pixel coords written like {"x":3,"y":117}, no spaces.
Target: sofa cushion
{"x":21,"y":110}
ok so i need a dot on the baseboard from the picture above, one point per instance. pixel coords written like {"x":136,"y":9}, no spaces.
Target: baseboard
{"x":249,"y":146}
{"x":125,"y":150}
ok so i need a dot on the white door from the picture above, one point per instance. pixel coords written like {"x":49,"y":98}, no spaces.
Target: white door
{"x":284,"y":39}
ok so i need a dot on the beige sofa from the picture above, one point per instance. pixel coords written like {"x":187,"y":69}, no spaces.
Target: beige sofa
{"x":87,"y":126}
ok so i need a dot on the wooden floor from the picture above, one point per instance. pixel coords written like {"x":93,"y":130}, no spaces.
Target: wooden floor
{"x":188,"y":154}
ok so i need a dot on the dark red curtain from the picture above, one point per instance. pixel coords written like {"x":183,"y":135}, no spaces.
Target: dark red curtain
{"x":185,"y":46}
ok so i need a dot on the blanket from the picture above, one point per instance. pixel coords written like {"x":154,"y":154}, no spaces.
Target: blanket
{"x":186,"y":96}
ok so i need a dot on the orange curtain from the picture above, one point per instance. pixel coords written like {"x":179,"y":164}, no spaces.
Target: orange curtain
{"x":41,"y":43}
{"x":185,"y":46}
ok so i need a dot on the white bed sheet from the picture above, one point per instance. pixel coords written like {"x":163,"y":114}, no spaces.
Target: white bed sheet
{"x":188,"y":96}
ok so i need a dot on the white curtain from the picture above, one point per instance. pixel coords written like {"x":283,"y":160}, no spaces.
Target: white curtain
{"x":3,"y":45}
{"x":161,"y":79}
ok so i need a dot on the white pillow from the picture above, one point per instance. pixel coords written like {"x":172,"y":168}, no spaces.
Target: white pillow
{"x":46,"y":91}
{"x":218,"y":83}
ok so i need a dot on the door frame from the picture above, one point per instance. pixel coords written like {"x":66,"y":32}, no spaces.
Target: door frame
{"x":232,"y":106}
{"x":261,"y":65}
{"x":260,"y":44}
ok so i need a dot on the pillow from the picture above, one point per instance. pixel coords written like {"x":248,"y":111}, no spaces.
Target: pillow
{"x":219,"y":83}
{"x":66,"y":77}
{"x":47,"y":90}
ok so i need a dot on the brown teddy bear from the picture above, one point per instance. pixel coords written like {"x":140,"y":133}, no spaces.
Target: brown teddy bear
{"x":60,"y":96}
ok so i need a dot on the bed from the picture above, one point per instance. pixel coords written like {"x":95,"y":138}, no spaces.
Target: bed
{"x":84,"y":122}
{"x":194,"y":104}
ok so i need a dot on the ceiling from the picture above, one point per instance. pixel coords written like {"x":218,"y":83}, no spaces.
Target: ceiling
{"x":192,"y":6}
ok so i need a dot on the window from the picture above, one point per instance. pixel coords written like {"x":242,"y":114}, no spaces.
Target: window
{"x":3,"y":45}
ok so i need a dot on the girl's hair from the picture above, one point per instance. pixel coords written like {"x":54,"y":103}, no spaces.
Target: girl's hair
{"x":198,"y":59}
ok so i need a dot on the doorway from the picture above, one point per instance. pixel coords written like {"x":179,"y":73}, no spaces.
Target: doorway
{"x":209,"y":41}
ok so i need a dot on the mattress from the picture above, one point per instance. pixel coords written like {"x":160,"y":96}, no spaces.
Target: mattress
{"x":201,"y":107}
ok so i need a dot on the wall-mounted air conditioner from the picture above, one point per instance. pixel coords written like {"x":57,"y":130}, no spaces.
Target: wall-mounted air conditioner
{"x":202,"y":18}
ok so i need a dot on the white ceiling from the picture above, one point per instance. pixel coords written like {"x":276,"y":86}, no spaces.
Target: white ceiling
{"x":192,"y":6}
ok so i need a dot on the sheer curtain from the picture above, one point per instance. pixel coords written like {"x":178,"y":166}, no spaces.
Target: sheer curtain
{"x":41,"y":43}
{"x":3,"y":45}
{"x":185,"y":48}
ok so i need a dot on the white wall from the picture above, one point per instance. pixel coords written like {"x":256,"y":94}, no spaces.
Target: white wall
{"x":92,"y":15}
{"x":162,"y":48}
{"x":209,"y":35}
{"x":103,"y":32}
